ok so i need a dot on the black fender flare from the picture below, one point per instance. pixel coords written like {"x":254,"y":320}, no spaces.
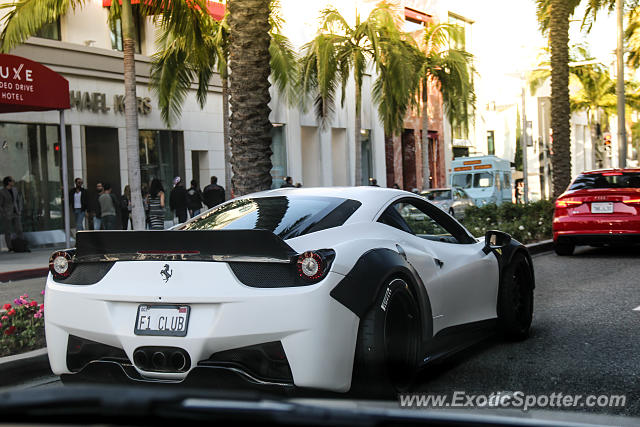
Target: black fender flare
{"x":505,"y":257}
{"x":359,"y":288}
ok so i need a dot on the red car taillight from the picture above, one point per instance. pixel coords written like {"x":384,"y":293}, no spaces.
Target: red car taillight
{"x":566,"y":203}
{"x":60,"y":264}
{"x":631,"y":201}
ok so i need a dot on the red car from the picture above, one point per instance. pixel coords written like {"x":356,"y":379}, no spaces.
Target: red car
{"x":600,"y":207}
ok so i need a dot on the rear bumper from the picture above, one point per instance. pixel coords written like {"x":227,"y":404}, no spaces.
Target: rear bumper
{"x":598,"y":238}
{"x":317,"y":333}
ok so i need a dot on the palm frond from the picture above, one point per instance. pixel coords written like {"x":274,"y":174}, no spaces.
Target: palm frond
{"x":23,"y":18}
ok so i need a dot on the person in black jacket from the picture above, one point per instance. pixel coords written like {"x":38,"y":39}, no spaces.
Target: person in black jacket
{"x":213,"y":194}
{"x":178,"y":199}
{"x":194,"y":199}
{"x":78,"y":203}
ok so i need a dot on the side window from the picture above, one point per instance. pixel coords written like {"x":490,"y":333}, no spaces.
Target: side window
{"x":498,"y":181}
{"x":507,"y":181}
{"x":424,"y":220}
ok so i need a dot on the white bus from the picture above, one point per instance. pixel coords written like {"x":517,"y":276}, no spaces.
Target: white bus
{"x":486,"y":179}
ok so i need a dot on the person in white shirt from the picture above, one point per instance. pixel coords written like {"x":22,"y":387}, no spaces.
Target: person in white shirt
{"x":78,"y":202}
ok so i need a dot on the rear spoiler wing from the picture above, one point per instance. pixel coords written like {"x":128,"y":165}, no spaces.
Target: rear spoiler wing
{"x":176,"y":245}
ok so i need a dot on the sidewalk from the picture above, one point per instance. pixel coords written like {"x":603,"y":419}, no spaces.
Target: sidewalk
{"x":27,"y":265}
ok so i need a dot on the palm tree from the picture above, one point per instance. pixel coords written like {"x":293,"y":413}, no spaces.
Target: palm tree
{"x":341,"y":50}
{"x":553,"y":16}
{"x":451,"y":70}
{"x":194,"y":55}
{"x":25,"y":17}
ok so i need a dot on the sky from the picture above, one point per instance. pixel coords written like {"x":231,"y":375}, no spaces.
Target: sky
{"x":507,"y":40}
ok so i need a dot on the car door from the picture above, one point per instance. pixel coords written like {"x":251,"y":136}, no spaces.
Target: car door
{"x":465,"y":284}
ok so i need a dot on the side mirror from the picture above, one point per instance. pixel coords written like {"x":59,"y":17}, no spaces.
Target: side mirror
{"x":495,"y":239}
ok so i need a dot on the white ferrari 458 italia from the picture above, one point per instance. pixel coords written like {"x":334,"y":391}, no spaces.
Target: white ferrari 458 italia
{"x":324,"y":288}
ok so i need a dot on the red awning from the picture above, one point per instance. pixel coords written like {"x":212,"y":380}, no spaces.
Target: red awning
{"x":215,"y":9}
{"x":26,"y":85}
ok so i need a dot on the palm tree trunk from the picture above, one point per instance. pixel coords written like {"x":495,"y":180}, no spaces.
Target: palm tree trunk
{"x":131,"y":116}
{"x":426,"y":173}
{"x":250,"y":128}
{"x":358,"y":136}
{"x":226,"y":137}
{"x":560,"y":109}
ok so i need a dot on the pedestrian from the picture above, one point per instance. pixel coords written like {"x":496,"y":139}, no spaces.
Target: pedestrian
{"x":288,"y":182}
{"x":396,"y":186}
{"x":144,"y":189}
{"x":155,"y":201}
{"x":194,"y":199}
{"x":298,"y":185}
{"x":11,"y":206}
{"x":97,"y":214}
{"x":373,"y":182}
{"x":178,"y":200}
{"x":108,"y":208}
{"x":125,"y":210}
{"x":213,"y":194}
{"x":79,"y":204}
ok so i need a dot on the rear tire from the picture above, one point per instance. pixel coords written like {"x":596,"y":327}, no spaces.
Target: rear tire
{"x":564,"y":249}
{"x":515,"y":299}
{"x":387,"y":349}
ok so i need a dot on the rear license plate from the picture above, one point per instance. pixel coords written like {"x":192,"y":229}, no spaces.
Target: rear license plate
{"x":163,"y":320}
{"x":598,"y":208}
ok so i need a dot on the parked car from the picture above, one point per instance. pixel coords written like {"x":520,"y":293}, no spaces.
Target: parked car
{"x":321,"y":287}
{"x":600,"y":207}
{"x":454,"y":201}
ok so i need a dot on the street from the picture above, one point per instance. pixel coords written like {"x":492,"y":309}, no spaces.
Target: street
{"x":582,"y":341}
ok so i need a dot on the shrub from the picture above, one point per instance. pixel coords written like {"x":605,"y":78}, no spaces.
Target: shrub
{"x":525,"y":223}
{"x":21,"y":326}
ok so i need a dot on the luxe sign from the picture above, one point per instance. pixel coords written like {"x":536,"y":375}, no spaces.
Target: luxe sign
{"x":26,"y":85}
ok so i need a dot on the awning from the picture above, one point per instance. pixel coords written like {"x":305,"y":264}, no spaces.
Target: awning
{"x":215,"y":9}
{"x":26,"y":85}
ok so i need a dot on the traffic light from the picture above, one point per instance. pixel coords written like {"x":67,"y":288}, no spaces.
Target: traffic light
{"x":607,"y":141}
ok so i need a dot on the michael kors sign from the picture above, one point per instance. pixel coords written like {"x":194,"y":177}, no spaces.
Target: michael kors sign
{"x":96,"y":102}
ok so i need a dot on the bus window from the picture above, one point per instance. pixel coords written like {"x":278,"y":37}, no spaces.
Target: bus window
{"x":482,"y":180}
{"x":507,"y":181}
{"x":461,"y":180}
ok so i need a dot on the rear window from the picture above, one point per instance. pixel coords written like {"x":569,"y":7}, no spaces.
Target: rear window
{"x":437,"y":195}
{"x":606,"y":180}
{"x":285,"y":216}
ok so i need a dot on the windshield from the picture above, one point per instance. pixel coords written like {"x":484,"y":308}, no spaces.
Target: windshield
{"x":606,"y":180}
{"x":437,"y":195}
{"x":285,"y":216}
{"x":463,"y":180}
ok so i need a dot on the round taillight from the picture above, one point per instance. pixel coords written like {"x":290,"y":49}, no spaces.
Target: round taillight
{"x":311,"y":266}
{"x":60,"y":264}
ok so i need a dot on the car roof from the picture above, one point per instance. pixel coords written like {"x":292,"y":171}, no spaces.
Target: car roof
{"x":636,"y":170}
{"x":373,"y":198}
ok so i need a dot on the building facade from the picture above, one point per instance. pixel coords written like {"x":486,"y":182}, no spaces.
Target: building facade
{"x":84,"y":49}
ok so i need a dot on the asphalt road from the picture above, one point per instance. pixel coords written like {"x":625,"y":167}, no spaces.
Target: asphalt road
{"x":583,"y":339}
{"x":12,"y":290}
{"x":584,"y":336}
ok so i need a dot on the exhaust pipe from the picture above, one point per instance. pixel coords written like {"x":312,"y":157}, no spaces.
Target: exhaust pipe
{"x":178,"y":361}
{"x":159,"y":360}
{"x":140,"y":359}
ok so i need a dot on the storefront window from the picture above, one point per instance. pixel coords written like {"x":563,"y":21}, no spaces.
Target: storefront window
{"x":278,"y":156}
{"x":162,"y":157}
{"x":31,"y":154}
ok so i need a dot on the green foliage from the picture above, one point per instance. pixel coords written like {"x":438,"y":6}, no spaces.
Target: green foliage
{"x":525,"y":223}
{"x":21,"y":326}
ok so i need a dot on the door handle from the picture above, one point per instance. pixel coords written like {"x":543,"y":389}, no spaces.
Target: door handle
{"x":439,"y":263}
